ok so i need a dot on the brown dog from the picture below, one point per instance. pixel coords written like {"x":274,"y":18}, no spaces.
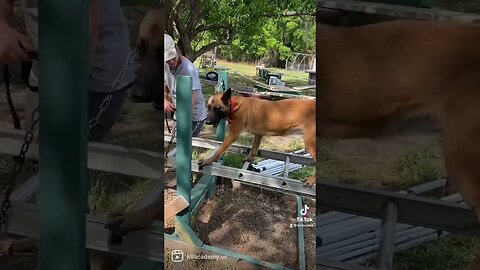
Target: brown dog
{"x":261,"y":118}
{"x":371,"y":76}
{"x":148,"y":89}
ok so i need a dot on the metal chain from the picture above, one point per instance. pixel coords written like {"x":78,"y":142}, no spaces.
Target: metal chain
{"x":29,"y":135}
{"x":103,"y":107}
{"x":17,"y":169}
{"x":169,"y":146}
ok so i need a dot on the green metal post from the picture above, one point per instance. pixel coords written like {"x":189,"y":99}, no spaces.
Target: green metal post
{"x":184,"y":142}
{"x":301,"y":237}
{"x":222,"y":77}
{"x":220,"y":132}
{"x":183,"y":220}
{"x":64,"y":74}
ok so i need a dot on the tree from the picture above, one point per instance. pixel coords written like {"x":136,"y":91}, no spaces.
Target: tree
{"x":202,"y":25}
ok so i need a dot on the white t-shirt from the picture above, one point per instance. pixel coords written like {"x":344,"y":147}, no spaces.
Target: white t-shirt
{"x":187,"y":68}
{"x":113,"y":46}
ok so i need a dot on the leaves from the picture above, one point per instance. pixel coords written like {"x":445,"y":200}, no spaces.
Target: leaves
{"x":247,"y":29}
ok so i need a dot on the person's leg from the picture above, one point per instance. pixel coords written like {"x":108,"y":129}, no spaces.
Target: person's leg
{"x":102,"y":128}
{"x":196,"y":128}
{"x":108,"y":117}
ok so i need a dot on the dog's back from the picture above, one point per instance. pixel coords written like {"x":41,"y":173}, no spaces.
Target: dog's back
{"x":371,"y":74}
{"x":284,"y":115}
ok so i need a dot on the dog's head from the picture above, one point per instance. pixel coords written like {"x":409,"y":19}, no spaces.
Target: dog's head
{"x":218,"y":107}
{"x":149,"y":86}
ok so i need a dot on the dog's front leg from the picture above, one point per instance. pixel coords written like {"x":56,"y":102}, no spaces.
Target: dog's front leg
{"x":231,"y":137}
{"x":254,"y":150}
{"x":121,"y":224}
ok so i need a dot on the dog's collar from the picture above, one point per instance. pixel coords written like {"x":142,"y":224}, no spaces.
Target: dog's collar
{"x":230,"y":111}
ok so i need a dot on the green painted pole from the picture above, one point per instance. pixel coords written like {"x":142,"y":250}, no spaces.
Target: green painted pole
{"x":184,"y":141}
{"x":220,"y":132}
{"x":301,"y":237}
{"x":63,"y":132}
{"x":222,"y":77}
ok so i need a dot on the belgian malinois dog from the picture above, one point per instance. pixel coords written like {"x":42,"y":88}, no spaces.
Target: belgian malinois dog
{"x":261,"y":118}
{"x":372,"y":76}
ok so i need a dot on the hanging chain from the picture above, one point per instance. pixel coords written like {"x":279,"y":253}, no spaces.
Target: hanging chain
{"x":103,"y":107}
{"x":169,"y":146}
{"x":17,"y":169}
{"x":29,"y":135}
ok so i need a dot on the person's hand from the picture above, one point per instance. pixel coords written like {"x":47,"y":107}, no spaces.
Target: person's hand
{"x":13,"y":45}
{"x":168,"y":106}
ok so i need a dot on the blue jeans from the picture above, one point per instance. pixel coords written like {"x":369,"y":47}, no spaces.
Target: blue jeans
{"x":197,"y":127}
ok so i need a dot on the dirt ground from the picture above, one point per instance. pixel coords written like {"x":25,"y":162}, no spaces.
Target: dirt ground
{"x":249,"y":221}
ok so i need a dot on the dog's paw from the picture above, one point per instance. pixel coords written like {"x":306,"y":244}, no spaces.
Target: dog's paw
{"x":309,"y":182}
{"x":121,"y":224}
{"x":248,"y":159}
{"x":116,"y":223}
{"x":204,"y":163}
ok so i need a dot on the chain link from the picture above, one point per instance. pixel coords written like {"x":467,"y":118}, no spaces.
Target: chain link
{"x":169,"y":146}
{"x":29,"y":135}
{"x":103,"y":107}
{"x":17,"y":169}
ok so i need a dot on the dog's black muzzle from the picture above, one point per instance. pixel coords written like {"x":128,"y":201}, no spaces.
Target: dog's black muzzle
{"x":214,"y":117}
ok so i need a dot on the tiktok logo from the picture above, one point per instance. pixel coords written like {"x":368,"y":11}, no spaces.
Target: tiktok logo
{"x":305,"y":210}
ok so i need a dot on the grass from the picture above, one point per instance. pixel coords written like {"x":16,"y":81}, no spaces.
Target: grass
{"x":416,"y":167}
{"x":302,"y":174}
{"x":295,"y":145}
{"x":452,"y":252}
{"x":246,"y":140}
{"x":115,"y":193}
{"x":245,"y":74}
{"x":234,"y":160}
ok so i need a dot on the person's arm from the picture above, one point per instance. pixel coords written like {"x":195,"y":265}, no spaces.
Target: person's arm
{"x":6,"y":10}
{"x":166,"y":91}
{"x":12,"y":43}
{"x":94,"y":26}
{"x":167,"y":105}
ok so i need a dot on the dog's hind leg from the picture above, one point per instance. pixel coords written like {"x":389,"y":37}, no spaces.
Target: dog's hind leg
{"x":309,"y":138}
{"x":475,"y":264}
{"x":461,"y":121}
{"x":255,"y":147}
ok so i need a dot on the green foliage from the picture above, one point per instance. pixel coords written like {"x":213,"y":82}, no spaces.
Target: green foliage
{"x":276,"y":39}
{"x":244,"y":29}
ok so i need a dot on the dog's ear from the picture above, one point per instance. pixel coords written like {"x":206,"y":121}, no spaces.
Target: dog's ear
{"x":226,"y":96}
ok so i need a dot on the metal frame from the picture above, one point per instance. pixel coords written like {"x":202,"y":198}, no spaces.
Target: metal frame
{"x":352,"y":239}
{"x":412,"y":209}
{"x":144,"y":244}
{"x":240,"y":149}
{"x":280,"y":184}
